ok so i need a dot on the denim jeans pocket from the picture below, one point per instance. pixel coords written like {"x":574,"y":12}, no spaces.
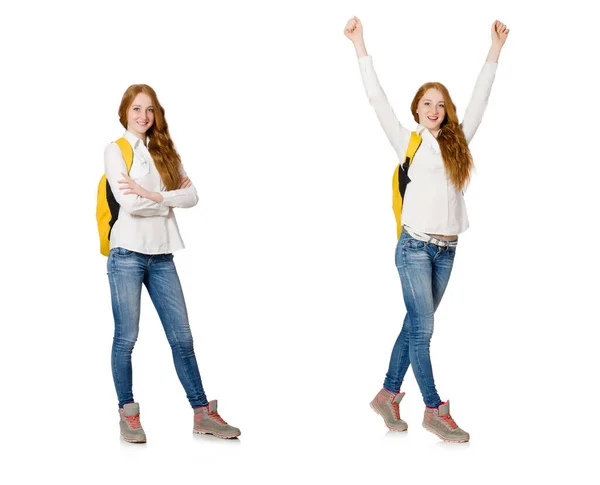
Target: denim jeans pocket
{"x":123,"y":251}
{"x":414,"y":244}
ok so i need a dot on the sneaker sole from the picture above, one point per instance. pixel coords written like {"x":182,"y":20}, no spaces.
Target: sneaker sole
{"x":389,"y":427}
{"x":133,"y":440}
{"x":464,"y":440}
{"x":223,"y":436}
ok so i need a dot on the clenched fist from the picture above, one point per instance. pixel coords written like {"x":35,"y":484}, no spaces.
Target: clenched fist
{"x":354,"y":30}
{"x":499,"y":33}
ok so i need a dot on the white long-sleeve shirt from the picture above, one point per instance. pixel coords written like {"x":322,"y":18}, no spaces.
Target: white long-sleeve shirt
{"x":431,"y":203}
{"x":144,"y":226}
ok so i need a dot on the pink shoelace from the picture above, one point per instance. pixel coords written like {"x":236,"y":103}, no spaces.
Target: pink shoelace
{"x":396,"y":409}
{"x":449,"y":421}
{"x":216,"y":417}
{"x":134,"y":421}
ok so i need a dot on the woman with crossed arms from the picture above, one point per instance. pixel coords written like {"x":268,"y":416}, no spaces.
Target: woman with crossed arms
{"x":142,"y":241}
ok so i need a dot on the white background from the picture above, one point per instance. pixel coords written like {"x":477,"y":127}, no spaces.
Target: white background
{"x":289,"y":274}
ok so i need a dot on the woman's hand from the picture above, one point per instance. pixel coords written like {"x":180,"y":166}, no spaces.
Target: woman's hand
{"x":354,"y":31}
{"x":185,"y":183}
{"x":499,"y":34}
{"x":129,"y":186}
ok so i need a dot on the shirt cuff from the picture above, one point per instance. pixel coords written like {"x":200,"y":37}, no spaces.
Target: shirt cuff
{"x":168,"y":196}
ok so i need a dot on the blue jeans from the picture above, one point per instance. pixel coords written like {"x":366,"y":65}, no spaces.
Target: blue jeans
{"x":424,"y":270}
{"x":127,"y":272}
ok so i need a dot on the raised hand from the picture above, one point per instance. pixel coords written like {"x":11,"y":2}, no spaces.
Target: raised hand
{"x":354,"y":30}
{"x":499,"y":33}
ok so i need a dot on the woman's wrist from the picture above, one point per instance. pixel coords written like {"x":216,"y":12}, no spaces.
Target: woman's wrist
{"x":361,"y":50}
{"x":153,"y":196}
{"x":494,"y":53}
{"x":157,"y":197}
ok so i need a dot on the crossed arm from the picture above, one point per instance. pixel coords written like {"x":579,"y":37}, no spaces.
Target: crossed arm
{"x":138,"y":201}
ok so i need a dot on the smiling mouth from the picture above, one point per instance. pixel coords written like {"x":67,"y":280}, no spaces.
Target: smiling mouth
{"x":433,"y":118}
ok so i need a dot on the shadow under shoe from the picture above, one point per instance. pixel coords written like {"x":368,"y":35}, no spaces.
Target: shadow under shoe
{"x":131,"y":428}
{"x":208,"y":421}
{"x":439,"y":422}
{"x":387,"y":405}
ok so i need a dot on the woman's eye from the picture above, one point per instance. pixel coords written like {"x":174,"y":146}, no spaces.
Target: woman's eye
{"x":426,"y":103}
{"x":136,"y":109}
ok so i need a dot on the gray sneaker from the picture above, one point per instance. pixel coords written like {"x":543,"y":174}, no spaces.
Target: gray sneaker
{"x":208,"y":421}
{"x":387,"y":405}
{"x":131,"y":428}
{"x":439,"y":422}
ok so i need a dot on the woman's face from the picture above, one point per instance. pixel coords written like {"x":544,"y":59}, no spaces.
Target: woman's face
{"x":140,"y":115}
{"x":431,"y":109}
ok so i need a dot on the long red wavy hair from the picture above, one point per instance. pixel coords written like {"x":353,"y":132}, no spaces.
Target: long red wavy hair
{"x":458,"y":162}
{"x":160,"y":145}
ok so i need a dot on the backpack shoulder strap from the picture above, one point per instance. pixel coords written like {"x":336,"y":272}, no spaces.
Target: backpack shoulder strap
{"x":127,"y":152}
{"x":413,"y":145}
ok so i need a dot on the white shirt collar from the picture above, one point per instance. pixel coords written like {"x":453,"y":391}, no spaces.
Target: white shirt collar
{"x":428,"y":138}
{"x":132,"y":139}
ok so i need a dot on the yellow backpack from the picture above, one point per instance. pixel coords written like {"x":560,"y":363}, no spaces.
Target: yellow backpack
{"x":107,"y":207}
{"x":401,"y":180}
